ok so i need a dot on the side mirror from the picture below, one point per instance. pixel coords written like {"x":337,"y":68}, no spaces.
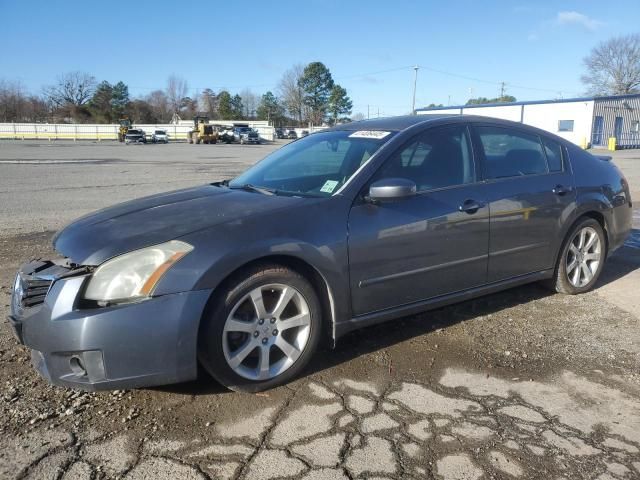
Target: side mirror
{"x":390,"y":189}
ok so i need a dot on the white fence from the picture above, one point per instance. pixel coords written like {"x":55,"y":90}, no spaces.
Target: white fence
{"x":76,"y":131}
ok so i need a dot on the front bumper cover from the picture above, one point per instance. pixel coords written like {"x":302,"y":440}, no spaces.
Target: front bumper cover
{"x":152,"y":342}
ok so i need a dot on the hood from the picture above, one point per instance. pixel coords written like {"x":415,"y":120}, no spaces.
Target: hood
{"x":96,"y":237}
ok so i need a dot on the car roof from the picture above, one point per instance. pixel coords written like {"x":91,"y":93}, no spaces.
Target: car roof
{"x":394,"y":123}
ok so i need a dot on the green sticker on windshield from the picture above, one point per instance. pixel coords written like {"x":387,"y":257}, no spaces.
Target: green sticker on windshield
{"x":329,"y":186}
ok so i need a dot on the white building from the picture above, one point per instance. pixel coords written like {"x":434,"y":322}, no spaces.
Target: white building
{"x":588,"y":121}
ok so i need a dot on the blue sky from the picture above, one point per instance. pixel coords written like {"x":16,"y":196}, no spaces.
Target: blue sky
{"x":464,"y":48}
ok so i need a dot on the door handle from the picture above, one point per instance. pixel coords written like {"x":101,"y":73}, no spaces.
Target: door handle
{"x":470,"y":206}
{"x":561,"y":190}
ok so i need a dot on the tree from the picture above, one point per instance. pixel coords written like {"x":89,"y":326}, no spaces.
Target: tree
{"x":339,"y":104}
{"x":237,"y":108}
{"x":159,"y":104}
{"x":613,"y":66}
{"x":12,"y":101}
{"x":358,"y":117}
{"x":71,"y":89}
{"x":290,"y":92}
{"x":250,"y":103}
{"x":141,"y":111}
{"x":176,"y":91}
{"x":188,"y":107}
{"x":225,"y":108}
{"x":484,"y":100}
{"x":316,"y":83}
{"x":119,"y":100}
{"x":270,"y":109}
{"x":100,"y":103}
{"x":209,"y":102}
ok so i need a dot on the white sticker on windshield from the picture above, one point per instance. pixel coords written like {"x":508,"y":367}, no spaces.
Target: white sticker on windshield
{"x":376,"y":134}
{"x":329,"y":186}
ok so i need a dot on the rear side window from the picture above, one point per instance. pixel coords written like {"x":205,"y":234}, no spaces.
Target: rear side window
{"x":511,"y":153}
{"x":554,"y":155}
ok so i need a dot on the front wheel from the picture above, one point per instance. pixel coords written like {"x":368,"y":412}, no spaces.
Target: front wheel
{"x":581,"y":259}
{"x":262,"y":330}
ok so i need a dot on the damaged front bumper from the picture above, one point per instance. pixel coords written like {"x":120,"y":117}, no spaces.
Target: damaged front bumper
{"x":151,"y":342}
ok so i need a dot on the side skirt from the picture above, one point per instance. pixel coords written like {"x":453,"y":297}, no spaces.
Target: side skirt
{"x":374,"y":318}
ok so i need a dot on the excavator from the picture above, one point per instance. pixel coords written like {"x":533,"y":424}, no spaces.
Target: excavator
{"x":125,"y":125}
{"x":202,"y":131}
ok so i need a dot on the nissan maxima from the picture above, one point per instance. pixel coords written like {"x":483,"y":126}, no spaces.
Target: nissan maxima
{"x":345,"y":228}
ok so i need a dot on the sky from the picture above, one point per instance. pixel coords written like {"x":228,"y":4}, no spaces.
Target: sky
{"x":463,"y":48}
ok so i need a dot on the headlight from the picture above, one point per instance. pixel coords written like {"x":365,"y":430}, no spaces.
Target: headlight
{"x":134,"y":275}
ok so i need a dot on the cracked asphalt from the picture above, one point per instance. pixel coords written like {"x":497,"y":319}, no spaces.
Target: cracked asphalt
{"x":521,"y":384}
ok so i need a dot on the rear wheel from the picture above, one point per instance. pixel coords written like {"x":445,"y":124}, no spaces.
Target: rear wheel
{"x":581,"y":259}
{"x":262,"y":330}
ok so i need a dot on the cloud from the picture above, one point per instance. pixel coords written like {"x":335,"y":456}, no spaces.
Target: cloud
{"x":577,"y":18}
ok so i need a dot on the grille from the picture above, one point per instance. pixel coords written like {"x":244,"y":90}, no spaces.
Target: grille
{"x":33,"y":291}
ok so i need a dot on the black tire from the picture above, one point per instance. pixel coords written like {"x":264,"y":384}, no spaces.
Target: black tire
{"x":560,"y":281}
{"x":210,"y":342}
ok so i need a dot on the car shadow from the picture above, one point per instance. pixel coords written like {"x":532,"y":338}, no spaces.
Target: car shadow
{"x":378,"y":337}
{"x":367,"y":340}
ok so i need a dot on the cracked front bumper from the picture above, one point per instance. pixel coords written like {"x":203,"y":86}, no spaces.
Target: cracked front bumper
{"x":152,"y":342}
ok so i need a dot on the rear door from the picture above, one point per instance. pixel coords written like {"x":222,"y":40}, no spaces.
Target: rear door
{"x":530,"y":190}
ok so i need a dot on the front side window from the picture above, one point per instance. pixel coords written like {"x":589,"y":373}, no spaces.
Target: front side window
{"x":437,"y":158}
{"x":316,"y":165}
{"x":511,"y":153}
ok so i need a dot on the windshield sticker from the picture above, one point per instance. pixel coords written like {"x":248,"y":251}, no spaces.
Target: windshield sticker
{"x":329,"y":186}
{"x":375,"y":134}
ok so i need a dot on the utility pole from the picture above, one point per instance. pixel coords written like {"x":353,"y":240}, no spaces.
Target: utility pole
{"x":367,"y":111}
{"x":415,"y":81}
{"x":502,"y":85}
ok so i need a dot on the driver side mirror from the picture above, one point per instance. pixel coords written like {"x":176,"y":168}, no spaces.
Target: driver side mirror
{"x":390,"y":189}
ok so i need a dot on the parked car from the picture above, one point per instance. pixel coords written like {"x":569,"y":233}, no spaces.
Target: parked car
{"x":304,"y":133}
{"x":292,"y":135}
{"x":280,"y":133}
{"x":246,"y":135}
{"x":225,"y":134}
{"x":355,"y":225}
{"x":135,"y":135}
{"x":160,"y":136}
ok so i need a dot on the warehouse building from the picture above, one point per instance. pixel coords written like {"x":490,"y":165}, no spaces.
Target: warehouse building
{"x":588,"y":122}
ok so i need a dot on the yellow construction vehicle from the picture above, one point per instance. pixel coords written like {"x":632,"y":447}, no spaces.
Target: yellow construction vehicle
{"x":125,"y":125}
{"x":202,"y":131}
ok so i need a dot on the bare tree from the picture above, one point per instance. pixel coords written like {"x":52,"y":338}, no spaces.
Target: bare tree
{"x":12,"y":100}
{"x":159,"y":104}
{"x":176,"y":91}
{"x":73,"y":89}
{"x":250,"y":102}
{"x":208,"y":102}
{"x":613,"y":67}
{"x":291,"y":94}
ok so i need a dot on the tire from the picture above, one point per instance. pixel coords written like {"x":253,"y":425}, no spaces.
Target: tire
{"x":580,"y":253}
{"x":233,"y":338}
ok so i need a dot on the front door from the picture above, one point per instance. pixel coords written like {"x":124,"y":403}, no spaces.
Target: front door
{"x":530,"y":190}
{"x":433,"y":243}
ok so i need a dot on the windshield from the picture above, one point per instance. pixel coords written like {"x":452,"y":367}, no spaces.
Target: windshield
{"x":316,"y":165}
{"x":160,"y":132}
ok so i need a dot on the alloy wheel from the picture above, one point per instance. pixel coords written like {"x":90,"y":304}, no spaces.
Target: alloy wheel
{"x":583,"y":257}
{"x":266,"y":331}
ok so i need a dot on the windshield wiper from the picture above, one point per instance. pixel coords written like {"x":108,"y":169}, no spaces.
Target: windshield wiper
{"x":254,"y":188}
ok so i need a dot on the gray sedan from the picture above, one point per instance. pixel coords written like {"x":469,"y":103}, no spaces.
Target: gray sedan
{"x":345,"y":228}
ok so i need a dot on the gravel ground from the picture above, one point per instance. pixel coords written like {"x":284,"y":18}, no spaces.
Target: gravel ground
{"x":522,"y":384}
